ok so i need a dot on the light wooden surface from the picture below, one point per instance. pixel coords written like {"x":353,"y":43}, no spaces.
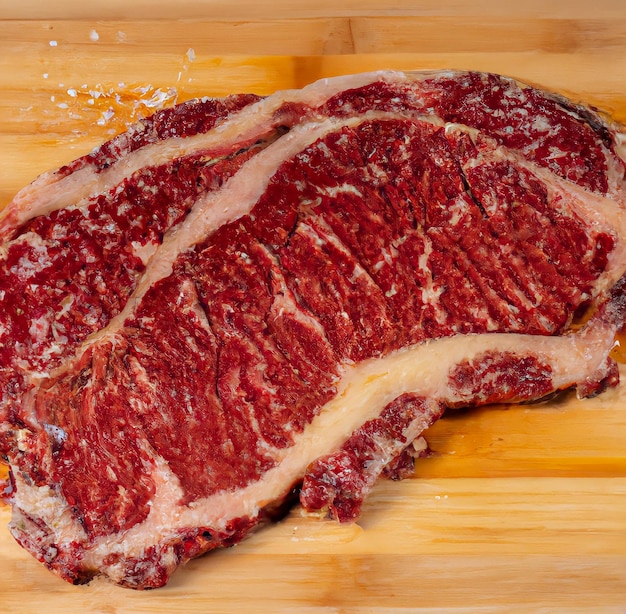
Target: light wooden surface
{"x":521,"y":509}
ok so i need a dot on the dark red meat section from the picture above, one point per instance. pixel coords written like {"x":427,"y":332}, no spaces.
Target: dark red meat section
{"x":81,"y":268}
{"x":91,"y":445}
{"x":234,"y":354}
{"x":524,"y":119}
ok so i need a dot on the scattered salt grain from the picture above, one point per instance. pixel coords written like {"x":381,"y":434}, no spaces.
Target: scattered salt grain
{"x":53,"y":43}
{"x":159,"y":98}
{"x":72,"y":92}
{"x":106,"y":116}
{"x":45,"y":75}
{"x":94,"y":36}
{"x":191,"y":54}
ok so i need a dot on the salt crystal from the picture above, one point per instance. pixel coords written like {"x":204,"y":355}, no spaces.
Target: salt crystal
{"x":53,"y":43}
{"x":94,"y":36}
{"x":72,"y":92}
{"x":191,"y":54}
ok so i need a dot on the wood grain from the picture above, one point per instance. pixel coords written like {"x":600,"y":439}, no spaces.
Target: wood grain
{"x":286,"y":9}
{"x":519,"y":509}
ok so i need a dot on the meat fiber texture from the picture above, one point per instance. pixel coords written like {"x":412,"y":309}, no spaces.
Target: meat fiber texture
{"x":243,"y":297}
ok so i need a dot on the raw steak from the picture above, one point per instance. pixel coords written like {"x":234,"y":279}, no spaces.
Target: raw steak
{"x":241,"y":296}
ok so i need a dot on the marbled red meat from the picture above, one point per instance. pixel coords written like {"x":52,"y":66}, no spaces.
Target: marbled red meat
{"x":239,"y":296}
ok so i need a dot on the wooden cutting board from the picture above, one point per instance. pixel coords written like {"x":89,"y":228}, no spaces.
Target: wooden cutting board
{"x":519,"y":509}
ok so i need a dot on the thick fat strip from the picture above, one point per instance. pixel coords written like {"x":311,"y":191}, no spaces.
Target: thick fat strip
{"x":48,"y":193}
{"x":424,"y":369}
{"x":340,"y":481}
